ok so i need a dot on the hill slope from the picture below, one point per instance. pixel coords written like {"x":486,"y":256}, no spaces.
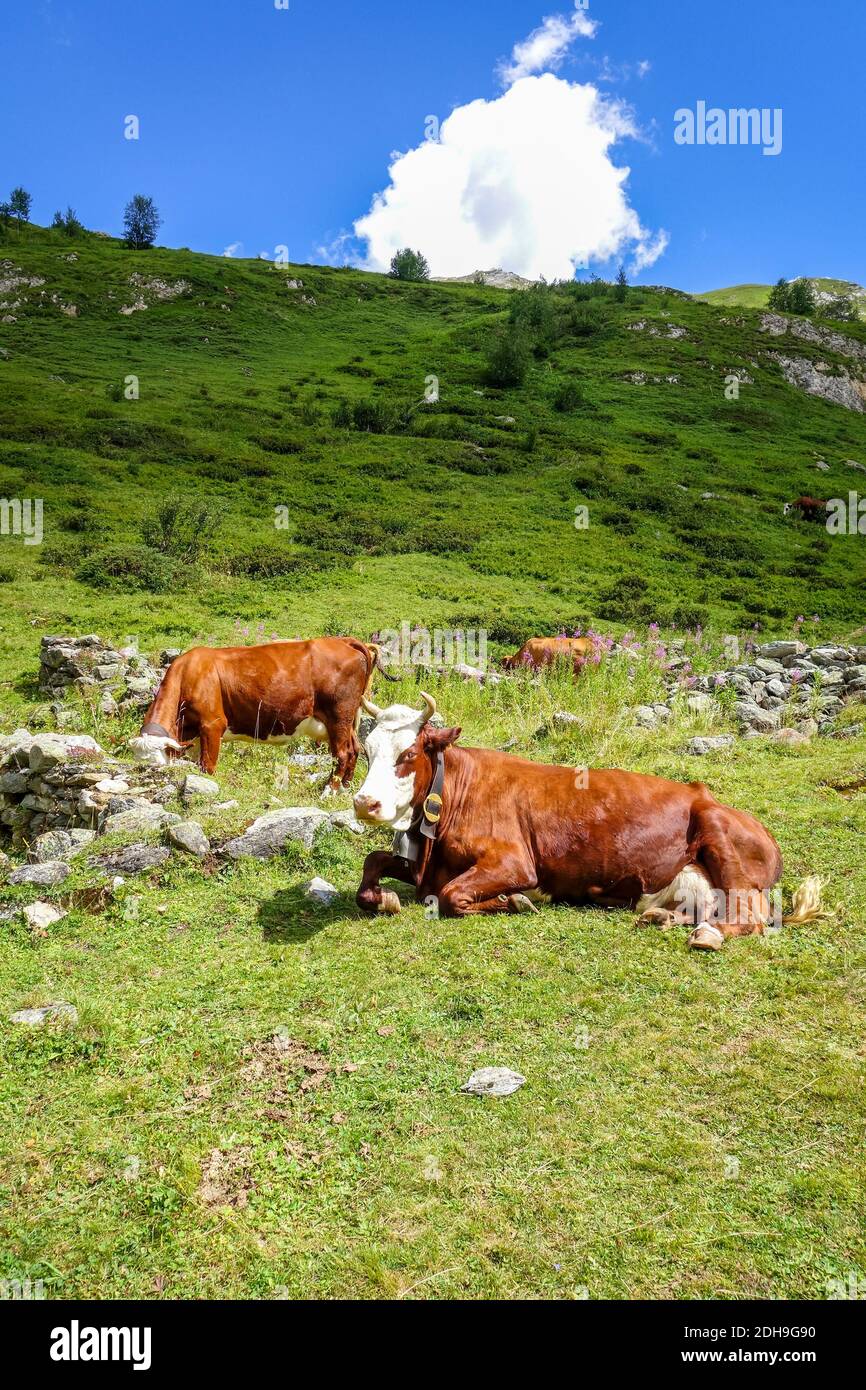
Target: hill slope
{"x":459,"y":513}
{"x":757,"y":296}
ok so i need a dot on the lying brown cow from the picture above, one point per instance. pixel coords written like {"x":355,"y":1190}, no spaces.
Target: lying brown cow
{"x":809,"y":508}
{"x":482,"y":831}
{"x":539,"y":652}
{"x":274,"y":692}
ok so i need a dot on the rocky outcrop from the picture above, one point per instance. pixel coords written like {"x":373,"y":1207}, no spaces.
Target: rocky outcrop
{"x":125,"y":679}
{"x":778,"y":325}
{"x":816,"y":379}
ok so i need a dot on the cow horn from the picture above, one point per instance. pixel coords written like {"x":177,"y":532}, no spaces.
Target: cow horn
{"x":429,"y":705}
{"x":370,"y":707}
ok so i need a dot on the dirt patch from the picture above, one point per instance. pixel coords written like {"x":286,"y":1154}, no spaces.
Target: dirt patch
{"x":226,"y":1178}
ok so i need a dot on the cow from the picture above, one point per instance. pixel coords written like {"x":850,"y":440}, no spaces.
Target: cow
{"x":481,"y":831}
{"x":808,"y":508}
{"x":274,"y":692}
{"x":538,"y":652}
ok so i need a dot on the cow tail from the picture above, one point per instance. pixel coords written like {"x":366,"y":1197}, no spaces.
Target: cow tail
{"x":376,"y":651}
{"x":806,"y":905}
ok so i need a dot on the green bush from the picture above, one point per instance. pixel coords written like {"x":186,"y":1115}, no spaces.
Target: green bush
{"x":508,"y":361}
{"x":568,"y":398}
{"x":132,"y":567}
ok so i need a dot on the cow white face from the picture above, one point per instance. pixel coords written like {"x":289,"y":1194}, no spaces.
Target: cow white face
{"x":385,"y":797}
{"x":151,"y":749}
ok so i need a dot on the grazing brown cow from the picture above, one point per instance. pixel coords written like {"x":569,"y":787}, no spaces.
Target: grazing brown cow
{"x":482,"y":831}
{"x":539,"y":652}
{"x":809,"y":508}
{"x":274,"y":692}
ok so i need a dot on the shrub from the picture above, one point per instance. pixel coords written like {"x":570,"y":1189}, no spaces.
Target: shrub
{"x":568,"y":398}
{"x":131,"y":567}
{"x":341,"y":416}
{"x":509,"y":357}
{"x":181,"y":528}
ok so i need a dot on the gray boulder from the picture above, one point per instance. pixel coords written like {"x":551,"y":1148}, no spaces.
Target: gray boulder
{"x":60,"y":844}
{"x":494,"y":1081}
{"x":189,"y":836}
{"x":701,"y":746}
{"x":267,"y":835}
{"x":134,"y":859}
{"x":195,"y":786}
{"x":46,"y":875}
{"x":37,"y":1018}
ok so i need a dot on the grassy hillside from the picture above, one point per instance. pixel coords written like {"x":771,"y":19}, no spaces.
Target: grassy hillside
{"x":461,"y":515}
{"x":691,"y":1125}
{"x":757,"y":296}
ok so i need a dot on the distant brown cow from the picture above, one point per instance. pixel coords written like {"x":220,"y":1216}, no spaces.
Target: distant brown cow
{"x":483,"y":831}
{"x":274,"y":692}
{"x":809,"y":508}
{"x":539,"y":652}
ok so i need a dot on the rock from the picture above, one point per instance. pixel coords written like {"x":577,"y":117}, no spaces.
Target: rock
{"x":188,"y":835}
{"x":196,"y":786}
{"x":646,"y":717}
{"x":60,"y":844}
{"x":347,"y":820}
{"x":225,"y":805}
{"x":138,"y":819}
{"x":753,"y":717}
{"x":777,"y":651}
{"x":267,"y":835}
{"x":37,"y":1018}
{"x":792,"y":738}
{"x":320,"y":891}
{"x":47,"y":750}
{"x":46,"y":875}
{"x":562,"y":719}
{"x":40,"y":916}
{"x":304,"y":760}
{"x":112,"y":786}
{"x":808,"y":727}
{"x":699,"y":747}
{"x":494,"y":1081}
{"x":134,"y":859}
{"x":15,"y":748}
{"x":700,"y":704}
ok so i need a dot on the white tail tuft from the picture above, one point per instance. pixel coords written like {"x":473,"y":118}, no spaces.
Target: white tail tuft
{"x":806,"y":905}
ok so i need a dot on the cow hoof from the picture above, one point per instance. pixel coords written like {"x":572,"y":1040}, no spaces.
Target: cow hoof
{"x":328,"y":792}
{"x":518,"y":902}
{"x":706,"y":938}
{"x":656,"y":917}
{"x":389,"y":904}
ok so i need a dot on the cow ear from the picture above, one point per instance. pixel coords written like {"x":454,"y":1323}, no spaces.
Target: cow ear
{"x":437,"y":740}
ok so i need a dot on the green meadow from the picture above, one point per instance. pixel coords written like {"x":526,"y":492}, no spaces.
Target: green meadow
{"x":691,"y":1124}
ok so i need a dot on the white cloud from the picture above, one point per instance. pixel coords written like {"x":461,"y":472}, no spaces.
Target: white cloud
{"x":233,"y":250}
{"x":525,"y":181}
{"x":643,"y":67}
{"x":547,"y":45}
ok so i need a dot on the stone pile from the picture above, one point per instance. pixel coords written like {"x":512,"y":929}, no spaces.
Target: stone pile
{"x":781,"y":681}
{"x":124,"y":679}
{"x":67,"y":785}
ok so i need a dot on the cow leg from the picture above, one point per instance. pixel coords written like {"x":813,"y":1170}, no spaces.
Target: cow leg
{"x":371,"y":896}
{"x":344,"y":750}
{"x":496,"y":884}
{"x":210,"y":739}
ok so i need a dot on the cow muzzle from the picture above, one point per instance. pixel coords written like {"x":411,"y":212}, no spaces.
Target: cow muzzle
{"x":368,"y":809}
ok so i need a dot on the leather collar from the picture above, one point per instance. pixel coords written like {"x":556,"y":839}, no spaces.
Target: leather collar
{"x":409,"y":844}
{"x":157,"y":729}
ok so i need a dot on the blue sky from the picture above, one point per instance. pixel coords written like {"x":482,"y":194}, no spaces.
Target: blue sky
{"x":263,"y":127}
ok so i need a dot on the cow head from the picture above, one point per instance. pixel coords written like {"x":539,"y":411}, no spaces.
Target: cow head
{"x":152,"y":749}
{"x":400,"y":750}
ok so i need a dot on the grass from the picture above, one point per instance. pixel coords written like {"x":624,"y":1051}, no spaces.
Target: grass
{"x":691,"y":1125}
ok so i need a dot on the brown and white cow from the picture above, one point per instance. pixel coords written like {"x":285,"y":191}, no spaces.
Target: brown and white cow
{"x":539,"y":652}
{"x":274,"y":692}
{"x":483,"y":831}
{"x":808,"y":508}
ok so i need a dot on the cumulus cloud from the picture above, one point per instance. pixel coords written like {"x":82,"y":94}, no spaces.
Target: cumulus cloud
{"x":547,"y":45}
{"x":525,"y":181}
{"x":233,"y":250}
